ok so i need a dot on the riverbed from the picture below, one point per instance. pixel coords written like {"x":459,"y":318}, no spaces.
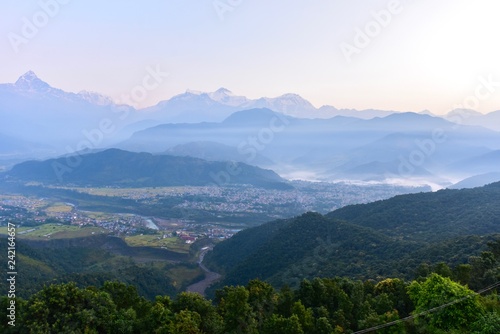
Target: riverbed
{"x":210,"y":276}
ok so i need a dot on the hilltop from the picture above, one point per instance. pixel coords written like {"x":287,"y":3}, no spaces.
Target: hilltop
{"x":385,"y":238}
{"x":118,"y":168}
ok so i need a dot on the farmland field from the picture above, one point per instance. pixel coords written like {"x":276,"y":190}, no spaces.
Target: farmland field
{"x":54,"y":231}
{"x":174,"y":244}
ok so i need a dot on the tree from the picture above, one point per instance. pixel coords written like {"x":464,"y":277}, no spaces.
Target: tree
{"x":443,"y":269}
{"x":262,"y":299}
{"x":422,"y":271}
{"x":395,"y":288}
{"x":488,"y":323}
{"x":494,"y":247}
{"x":159,"y":317}
{"x":5,"y":306}
{"x":186,"y":322}
{"x":233,"y":306}
{"x":462,"y":273}
{"x":484,"y":269}
{"x":378,"y":319}
{"x":322,"y":326}
{"x":277,"y":324}
{"x":436,"y":291}
{"x":305,"y":316}
{"x":212,"y":322}
{"x":64,"y":308}
{"x":285,"y":301}
{"x":124,"y":296}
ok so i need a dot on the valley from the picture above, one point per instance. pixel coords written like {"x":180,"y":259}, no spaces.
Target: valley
{"x":191,"y":212}
{"x":250,"y":167}
{"x":166,"y":227}
{"x":354,"y":252}
{"x":226,"y":196}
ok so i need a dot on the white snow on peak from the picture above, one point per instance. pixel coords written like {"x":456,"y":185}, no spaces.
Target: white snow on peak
{"x":29,"y":81}
{"x":226,"y":97}
{"x":194,"y":92}
{"x":95,"y":98}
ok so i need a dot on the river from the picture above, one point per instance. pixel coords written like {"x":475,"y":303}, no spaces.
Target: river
{"x":150,"y":224}
{"x":210,"y":276}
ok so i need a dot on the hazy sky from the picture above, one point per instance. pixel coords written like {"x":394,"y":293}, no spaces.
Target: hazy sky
{"x":419,"y":54}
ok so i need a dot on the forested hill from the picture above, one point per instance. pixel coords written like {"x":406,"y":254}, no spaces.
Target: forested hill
{"x":301,"y":247}
{"x":431,"y":216}
{"x":382,"y":239}
{"x":115,"y":167}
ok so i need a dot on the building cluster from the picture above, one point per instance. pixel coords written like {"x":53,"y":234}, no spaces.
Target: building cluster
{"x":25,"y":210}
{"x":231,"y":203}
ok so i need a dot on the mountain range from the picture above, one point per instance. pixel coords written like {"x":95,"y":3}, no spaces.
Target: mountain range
{"x":32,"y":112}
{"x":213,"y":151}
{"x":286,"y":133}
{"x":414,"y":147}
{"x":37,"y":114}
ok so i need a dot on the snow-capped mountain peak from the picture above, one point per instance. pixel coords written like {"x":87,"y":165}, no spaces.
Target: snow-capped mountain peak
{"x":29,"y":81}
{"x":226,"y":97}
{"x":294,"y":99}
{"x":194,"y":92}
{"x":290,"y":104}
{"x":95,"y":98}
{"x":222,"y":92}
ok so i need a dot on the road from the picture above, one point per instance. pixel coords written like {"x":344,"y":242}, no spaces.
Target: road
{"x":210,"y":276}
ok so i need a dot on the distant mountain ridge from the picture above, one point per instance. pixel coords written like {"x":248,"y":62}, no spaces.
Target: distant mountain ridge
{"x":213,"y":151}
{"x":196,"y":106}
{"x":119,"y":168}
{"x":33,"y":111}
{"x":490,"y":120}
{"x":40,"y":121}
{"x":477,"y":181}
{"x":381,"y":149}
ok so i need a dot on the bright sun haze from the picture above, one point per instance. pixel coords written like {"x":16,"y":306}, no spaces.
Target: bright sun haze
{"x":425,"y":55}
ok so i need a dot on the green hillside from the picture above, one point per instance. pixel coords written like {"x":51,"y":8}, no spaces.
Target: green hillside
{"x":94,"y":260}
{"x":390,"y":238}
{"x":119,"y":168}
{"x":432,"y":216}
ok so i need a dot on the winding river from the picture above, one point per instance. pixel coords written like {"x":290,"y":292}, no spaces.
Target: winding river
{"x":210,"y":276}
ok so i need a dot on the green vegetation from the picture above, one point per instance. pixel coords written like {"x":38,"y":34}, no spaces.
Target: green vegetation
{"x":182,"y":275}
{"x":55,"y":231}
{"x":118,"y":168}
{"x":156,"y":240}
{"x":436,"y":291}
{"x":328,"y":305}
{"x":58,"y":208}
{"x":418,"y":257}
{"x":429,"y":217}
{"x":404,"y":237}
{"x":287,"y":251}
{"x":92,"y":260}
